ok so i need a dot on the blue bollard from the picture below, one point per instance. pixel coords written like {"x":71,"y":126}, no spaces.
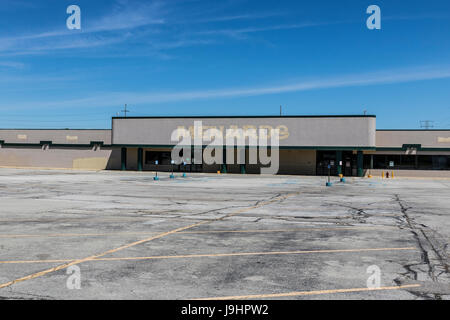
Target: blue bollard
{"x":184,"y":175}
{"x":156,"y":178}
{"x":329,"y":184}
{"x":172,"y":176}
{"x":342,"y":179}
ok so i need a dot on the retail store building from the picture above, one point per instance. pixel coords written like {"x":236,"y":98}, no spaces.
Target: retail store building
{"x":308,"y":145}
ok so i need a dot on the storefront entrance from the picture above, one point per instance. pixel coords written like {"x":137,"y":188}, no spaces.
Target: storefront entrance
{"x":325,"y":158}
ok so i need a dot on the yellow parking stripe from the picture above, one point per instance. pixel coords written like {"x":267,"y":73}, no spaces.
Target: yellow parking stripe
{"x":78,"y":261}
{"x":93,"y":257}
{"x":50,"y":235}
{"x":308,"y":293}
{"x":289,"y":230}
{"x":213,"y":255}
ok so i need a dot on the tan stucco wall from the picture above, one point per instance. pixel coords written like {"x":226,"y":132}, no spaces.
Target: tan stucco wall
{"x":427,"y":138}
{"x":59,"y":157}
{"x":290,"y":162}
{"x":298,"y":162}
{"x":294,"y":131}
{"x":406,"y":152}
{"x":132,"y":156}
{"x":55,"y":136}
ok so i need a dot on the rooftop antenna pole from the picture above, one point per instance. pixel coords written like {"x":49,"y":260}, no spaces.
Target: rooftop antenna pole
{"x":426,"y":124}
{"x":280,"y":111}
{"x":125,"y":111}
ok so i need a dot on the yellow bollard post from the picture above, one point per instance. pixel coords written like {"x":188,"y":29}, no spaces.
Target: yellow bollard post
{"x":392,"y":174}
{"x":382,"y":174}
{"x":218,"y":172}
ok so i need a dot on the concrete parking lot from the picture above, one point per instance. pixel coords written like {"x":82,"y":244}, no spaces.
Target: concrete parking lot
{"x":221,"y":236}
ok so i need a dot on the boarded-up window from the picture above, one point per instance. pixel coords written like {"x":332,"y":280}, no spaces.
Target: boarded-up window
{"x":72,"y":138}
{"x":444,"y":139}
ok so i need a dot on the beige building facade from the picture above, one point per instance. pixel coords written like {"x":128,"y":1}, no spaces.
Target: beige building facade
{"x":308,"y":145}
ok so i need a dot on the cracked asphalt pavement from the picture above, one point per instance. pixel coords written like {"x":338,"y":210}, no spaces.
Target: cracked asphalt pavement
{"x":212,"y":236}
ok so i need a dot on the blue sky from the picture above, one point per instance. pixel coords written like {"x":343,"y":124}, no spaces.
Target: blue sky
{"x":228,"y":57}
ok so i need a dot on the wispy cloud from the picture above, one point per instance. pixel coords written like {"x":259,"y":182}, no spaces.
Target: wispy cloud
{"x":378,"y":78}
{"x":236,"y":32}
{"x":128,"y":20}
{"x":14,"y":4}
{"x":423,"y":16}
{"x":249,"y":16}
{"x":106,"y":30}
{"x":180,"y":43}
{"x":141,"y":98}
{"x":26,"y":79}
{"x":158,"y":26}
{"x":129,"y":15}
{"x":12,"y":64}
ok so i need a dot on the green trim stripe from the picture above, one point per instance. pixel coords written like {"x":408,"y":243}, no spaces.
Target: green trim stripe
{"x":281,"y":147}
{"x":246,"y":117}
{"x":52,"y":144}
